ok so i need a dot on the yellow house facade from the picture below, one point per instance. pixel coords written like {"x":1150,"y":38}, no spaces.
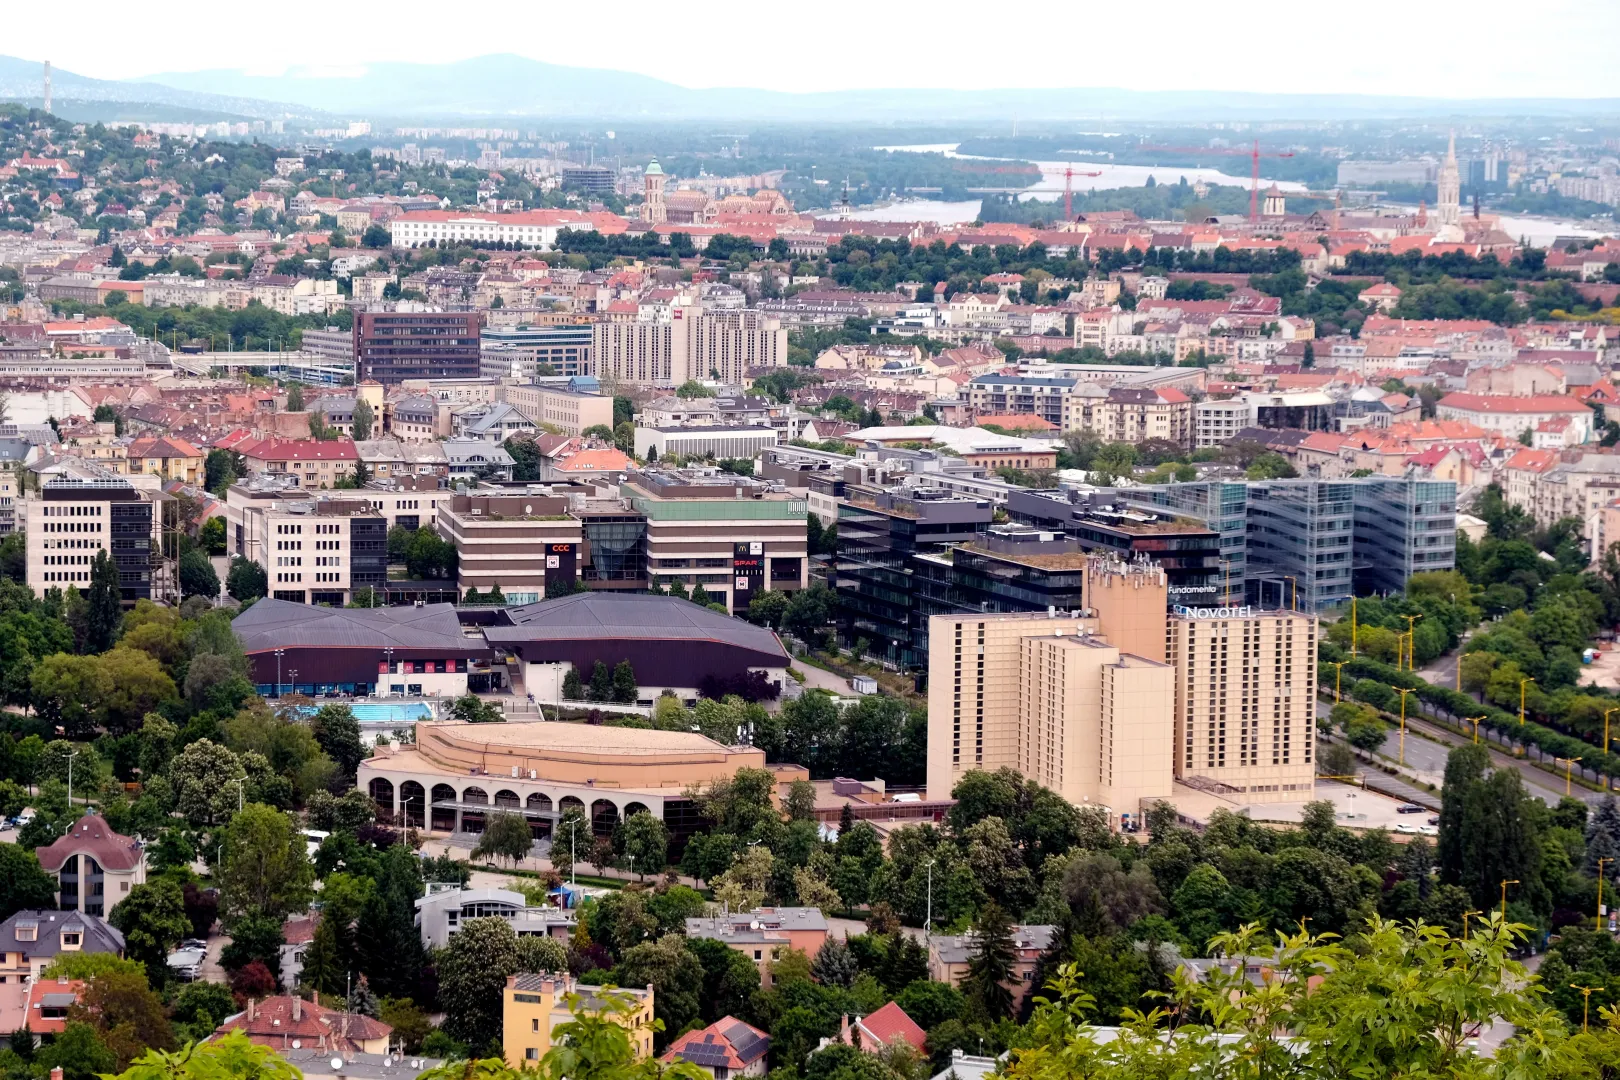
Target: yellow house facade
{"x":534,"y":1006}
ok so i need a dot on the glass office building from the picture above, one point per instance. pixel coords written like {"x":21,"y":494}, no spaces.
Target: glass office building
{"x":1320,"y":540}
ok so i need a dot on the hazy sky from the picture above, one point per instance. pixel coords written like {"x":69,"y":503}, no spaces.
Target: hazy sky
{"x":1486,"y":48}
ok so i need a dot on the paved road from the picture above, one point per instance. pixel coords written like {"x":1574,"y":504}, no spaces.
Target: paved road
{"x":1428,"y":745}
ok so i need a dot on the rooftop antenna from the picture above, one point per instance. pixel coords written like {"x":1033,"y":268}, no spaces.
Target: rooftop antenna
{"x":47,"y":86}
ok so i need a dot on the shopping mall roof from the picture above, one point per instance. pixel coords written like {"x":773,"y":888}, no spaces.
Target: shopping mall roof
{"x":281,"y":624}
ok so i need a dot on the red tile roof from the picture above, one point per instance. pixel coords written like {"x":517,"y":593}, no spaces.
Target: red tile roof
{"x":890,"y":1023}
{"x":275,"y":1021}
{"x":1502,"y":403}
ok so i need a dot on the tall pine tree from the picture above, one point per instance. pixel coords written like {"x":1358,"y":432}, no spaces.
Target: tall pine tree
{"x":105,"y":609}
{"x":990,"y":967}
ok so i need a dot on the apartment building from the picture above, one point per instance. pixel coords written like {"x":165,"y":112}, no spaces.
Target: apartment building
{"x":1129,"y":413}
{"x":313,"y":463}
{"x":392,"y":346}
{"x":1215,"y":422}
{"x":1055,"y":697}
{"x":521,"y":542}
{"x":566,"y":410}
{"x":1244,"y":701}
{"x":1512,"y":416}
{"x":74,"y":519}
{"x":690,"y":344}
{"x":534,"y":1006}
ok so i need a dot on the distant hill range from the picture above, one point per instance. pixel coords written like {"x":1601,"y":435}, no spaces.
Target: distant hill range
{"x":510,"y":86}
{"x":79,"y":97}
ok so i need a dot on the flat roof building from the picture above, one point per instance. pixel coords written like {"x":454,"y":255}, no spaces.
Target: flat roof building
{"x":392,"y":346}
{"x":1052,"y":696}
{"x":1245,"y":712}
{"x":294,"y":648}
{"x":76,"y":518}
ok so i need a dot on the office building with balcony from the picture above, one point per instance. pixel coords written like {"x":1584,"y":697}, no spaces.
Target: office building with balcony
{"x":1312,"y":544}
{"x":392,"y":346}
{"x":75,"y":518}
{"x":891,"y":570}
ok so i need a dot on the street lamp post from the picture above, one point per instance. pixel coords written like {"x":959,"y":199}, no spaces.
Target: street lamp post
{"x":928,"y":919}
{"x":1465,"y":917}
{"x":573,"y":862}
{"x":1505,"y":883}
{"x":1608,"y":780}
{"x":1586,"y":1001}
{"x":388,"y":658}
{"x":1522,"y":683}
{"x":294,"y":673}
{"x":1403,"y":692}
{"x":1338,"y":678}
{"x":1569,"y":769}
{"x":279,"y":653}
{"x":71,"y":755}
{"x":1411,"y":641}
{"x":1599,"y":916}
{"x":1475,"y":721}
{"x":241,"y":787}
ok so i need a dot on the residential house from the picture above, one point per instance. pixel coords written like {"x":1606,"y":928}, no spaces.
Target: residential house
{"x":168,"y":456}
{"x":94,"y":867}
{"x":725,"y":1049}
{"x":950,"y":955}
{"x":48,"y":1003}
{"x":279,"y":1021}
{"x":442,"y":912}
{"x":30,"y":940}
{"x":765,"y":933}
{"x":533,"y":1006}
{"x":879,"y":1030}
{"x":313,"y":462}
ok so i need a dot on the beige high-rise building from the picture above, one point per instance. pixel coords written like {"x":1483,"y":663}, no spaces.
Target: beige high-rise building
{"x":1052,"y":696}
{"x":1245,"y":694}
{"x":690,"y":344}
{"x":1116,"y":706}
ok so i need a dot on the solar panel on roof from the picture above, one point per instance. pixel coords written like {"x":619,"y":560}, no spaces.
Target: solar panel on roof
{"x":705,"y":1054}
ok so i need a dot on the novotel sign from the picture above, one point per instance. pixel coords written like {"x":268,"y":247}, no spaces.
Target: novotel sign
{"x":1215,"y":612}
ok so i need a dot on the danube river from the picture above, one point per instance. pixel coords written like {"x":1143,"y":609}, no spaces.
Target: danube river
{"x":1537,"y":231}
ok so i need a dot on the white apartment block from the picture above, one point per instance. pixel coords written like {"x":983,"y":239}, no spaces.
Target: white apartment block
{"x":1215,"y":422}
{"x":531,"y":228}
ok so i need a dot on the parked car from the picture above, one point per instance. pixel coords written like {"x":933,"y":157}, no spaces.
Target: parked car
{"x":186,"y":964}
{"x":1409,"y":808}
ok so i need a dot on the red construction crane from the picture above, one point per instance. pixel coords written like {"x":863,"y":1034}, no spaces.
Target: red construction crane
{"x":1068,"y":190}
{"x":1255,"y":155}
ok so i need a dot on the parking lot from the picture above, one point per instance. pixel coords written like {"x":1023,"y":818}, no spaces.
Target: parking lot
{"x":1355,"y":808}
